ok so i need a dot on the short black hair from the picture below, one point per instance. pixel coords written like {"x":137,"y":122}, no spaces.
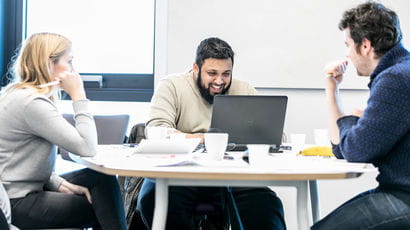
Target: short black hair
{"x":374,"y":22}
{"x":213,"y":48}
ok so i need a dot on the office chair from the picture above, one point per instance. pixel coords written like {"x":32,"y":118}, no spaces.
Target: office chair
{"x":111,"y":129}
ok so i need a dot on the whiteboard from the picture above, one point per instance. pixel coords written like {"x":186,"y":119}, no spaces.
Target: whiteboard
{"x":277,"y":44}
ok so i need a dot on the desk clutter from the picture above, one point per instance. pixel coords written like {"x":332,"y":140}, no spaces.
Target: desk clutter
{"x":124,"y":156}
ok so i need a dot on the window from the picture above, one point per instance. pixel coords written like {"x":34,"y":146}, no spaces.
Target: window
{"x":113,"y":42}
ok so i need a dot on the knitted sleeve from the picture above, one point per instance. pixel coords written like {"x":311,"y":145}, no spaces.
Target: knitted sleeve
{"x":384,"y":123}
{"x":163,"y":110}
{"x":43,"y":120}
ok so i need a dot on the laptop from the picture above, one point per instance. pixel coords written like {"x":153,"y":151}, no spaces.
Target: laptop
{"x":250,"y":119}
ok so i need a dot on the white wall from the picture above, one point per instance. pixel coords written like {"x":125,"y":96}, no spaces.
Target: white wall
{"x":281,"y":44}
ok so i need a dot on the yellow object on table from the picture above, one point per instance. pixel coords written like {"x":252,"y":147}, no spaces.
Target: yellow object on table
{"x":317,"y":151}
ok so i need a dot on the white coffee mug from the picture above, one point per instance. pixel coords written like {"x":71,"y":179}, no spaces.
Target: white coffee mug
{"x":215,"y":144}
{"x":297,"y":141}
{"x":258,"y":155}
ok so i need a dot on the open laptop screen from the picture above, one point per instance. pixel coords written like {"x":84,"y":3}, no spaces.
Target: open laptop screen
{"x":250,"y":119}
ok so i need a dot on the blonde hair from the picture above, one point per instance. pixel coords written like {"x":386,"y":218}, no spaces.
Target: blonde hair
{"x":31,"y":67}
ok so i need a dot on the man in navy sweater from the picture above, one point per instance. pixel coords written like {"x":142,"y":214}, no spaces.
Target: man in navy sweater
{"x":381,"y":133}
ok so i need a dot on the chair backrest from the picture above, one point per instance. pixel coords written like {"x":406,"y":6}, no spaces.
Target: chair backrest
{"x":137,"y":133}
{"x":111,"y":129}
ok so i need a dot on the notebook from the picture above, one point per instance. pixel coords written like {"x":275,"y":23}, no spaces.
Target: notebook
{"x":250,"y":119}
{"x":174,"y":146}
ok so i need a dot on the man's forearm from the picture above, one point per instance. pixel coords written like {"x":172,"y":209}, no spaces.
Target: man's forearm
{"x":334,"y":113}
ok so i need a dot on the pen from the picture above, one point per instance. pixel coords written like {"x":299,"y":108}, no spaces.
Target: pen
{"x":49,"y":84}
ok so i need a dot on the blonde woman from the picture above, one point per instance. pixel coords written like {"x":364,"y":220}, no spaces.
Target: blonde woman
{"x":31,"y":128}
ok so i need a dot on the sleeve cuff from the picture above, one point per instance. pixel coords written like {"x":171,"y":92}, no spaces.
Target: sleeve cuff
{"x":347,"y":121}
{"x":81,"y":106}
{"x":54,"y":182}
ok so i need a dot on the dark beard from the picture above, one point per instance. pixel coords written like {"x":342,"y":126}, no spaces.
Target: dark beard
{"x":205,"y":93}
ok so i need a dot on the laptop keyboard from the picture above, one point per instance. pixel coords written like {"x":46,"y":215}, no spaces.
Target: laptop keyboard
{"x":241,"y":148}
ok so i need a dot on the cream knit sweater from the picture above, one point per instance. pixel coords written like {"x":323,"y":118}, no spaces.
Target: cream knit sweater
{"x":177,"y":103}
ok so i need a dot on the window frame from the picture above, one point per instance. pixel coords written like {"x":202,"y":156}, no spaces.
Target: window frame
{"x":114,"y":87}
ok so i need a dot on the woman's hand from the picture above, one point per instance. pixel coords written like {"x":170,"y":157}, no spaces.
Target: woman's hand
{"x":69,"y":188}
{"x":72,"y":84}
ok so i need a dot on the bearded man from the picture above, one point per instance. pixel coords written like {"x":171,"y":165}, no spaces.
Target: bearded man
{"x":183,"y":102}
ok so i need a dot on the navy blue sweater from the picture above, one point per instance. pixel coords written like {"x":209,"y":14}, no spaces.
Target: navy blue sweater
{"x":382,"y":135}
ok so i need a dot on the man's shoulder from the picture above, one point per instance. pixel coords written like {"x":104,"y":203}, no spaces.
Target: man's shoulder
{"x":241,"y":87}
{"x":240,"y":83}
{"x":403,"y":67}
{"x":398,"y":74}
{"x":178,"y":83}
{"x":178,"y":78}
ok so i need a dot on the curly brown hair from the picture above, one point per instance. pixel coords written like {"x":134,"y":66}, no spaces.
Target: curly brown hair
{"x":374,"y":22}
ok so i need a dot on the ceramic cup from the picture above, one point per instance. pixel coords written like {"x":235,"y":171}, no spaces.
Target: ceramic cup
{"x":297,"y":141}
{"x":258,"y":155}
{"x":215,"y":144}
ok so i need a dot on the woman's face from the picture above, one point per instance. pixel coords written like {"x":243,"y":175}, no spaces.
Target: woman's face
{"x":63,"y":64}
